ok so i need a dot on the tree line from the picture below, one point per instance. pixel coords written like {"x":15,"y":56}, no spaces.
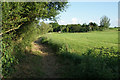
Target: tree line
{"x":92,"y":26}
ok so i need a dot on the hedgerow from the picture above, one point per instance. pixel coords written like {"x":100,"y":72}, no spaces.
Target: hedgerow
{"x":19,"y":28}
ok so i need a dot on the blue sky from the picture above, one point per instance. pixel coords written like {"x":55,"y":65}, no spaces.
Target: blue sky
{"x":85,"y":12}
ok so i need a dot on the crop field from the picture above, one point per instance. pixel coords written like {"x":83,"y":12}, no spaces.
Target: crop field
{"x":80,"y":42}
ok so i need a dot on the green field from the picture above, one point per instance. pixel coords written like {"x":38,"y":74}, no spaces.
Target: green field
{"x":94,"y":54}
{"x":80,"y":42}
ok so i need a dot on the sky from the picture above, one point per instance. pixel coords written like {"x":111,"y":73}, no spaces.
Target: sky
{"x":85,"y":12}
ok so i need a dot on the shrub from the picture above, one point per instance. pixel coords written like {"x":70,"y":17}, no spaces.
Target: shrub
{"x":96,"y":63}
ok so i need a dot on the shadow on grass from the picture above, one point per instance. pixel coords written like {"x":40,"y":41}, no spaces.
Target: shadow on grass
{"x":29,"y":66}
{"x":89,"y":67}
{"x":97,"y":63}
{"x":50,"y":64}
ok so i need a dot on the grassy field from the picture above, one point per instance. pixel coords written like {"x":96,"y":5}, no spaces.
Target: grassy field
{"x":86,"y":55}
{"x":80,"y":42}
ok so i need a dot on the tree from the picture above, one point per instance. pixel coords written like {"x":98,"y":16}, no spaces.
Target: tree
{"x":84,"y":28}
{"x":18,"y":27}
{"x":75,"y":27}
{"x":93,"y":26}
{"x":55,"y":27}
{"x":16,"y":14}
{"x":104,"y":22}
{"x":62,"y":28}
{"x":67,"y":29}
{"x":44,"y":28}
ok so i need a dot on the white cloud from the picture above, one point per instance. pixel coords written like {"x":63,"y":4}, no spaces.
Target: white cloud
{"x":80,"y":22}
{"x":91,"y":21}
{"x":74,"y":21}
{"x":61,"y":22}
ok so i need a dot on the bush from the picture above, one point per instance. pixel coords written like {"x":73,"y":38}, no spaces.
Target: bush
{"x":8,"y":59}
{"x":96,"y":63}
{"x":14,"y":46}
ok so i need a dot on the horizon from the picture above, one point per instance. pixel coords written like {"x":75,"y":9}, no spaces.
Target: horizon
{"x":86,"y":12}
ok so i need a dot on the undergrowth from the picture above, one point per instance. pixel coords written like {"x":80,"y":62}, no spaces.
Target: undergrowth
{"x":95,"y":63}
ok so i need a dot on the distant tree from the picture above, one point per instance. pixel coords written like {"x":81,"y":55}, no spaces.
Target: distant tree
{"x":104,"y":22}
{"x":84,"y":25}
{"x":67,"y":29}
{"x":70,"y":27}
{"x":62,"y":28}
{"x":44,"y":28}
{"x":55,"y":26}
{"x":93,"y":26}
{"x":75,"y":28}
{"x":84,"y":28}
{"x":50,"y":28}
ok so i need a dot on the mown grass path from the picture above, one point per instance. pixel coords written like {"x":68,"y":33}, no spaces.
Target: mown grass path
{"x":49,"y":63}
{"x":40,"y":62}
